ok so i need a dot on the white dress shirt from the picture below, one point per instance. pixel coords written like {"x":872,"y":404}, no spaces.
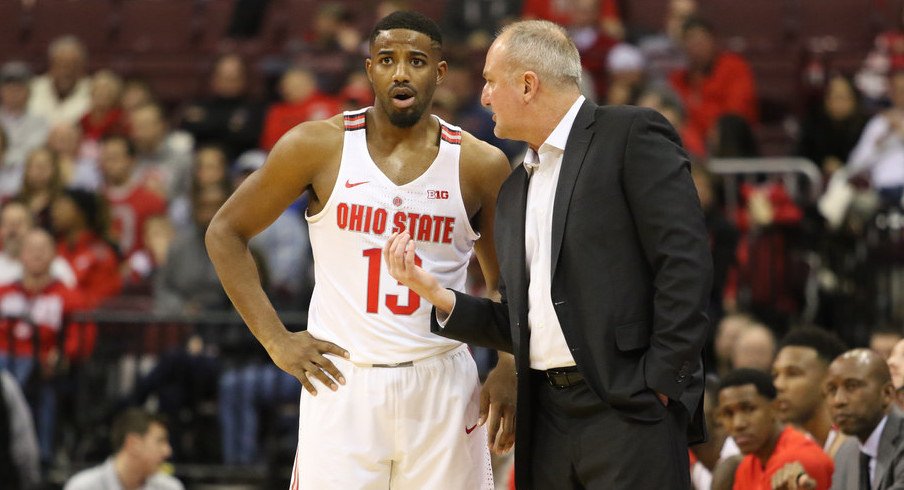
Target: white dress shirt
{"x":547,"y":342}
{"x":871,"y":447}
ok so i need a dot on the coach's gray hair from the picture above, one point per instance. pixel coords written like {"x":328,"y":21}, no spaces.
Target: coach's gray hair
{"x":545,"y":48}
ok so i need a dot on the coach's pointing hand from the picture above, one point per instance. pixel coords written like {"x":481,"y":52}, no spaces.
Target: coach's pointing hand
{"x":399,"y":255}
{"x":302,"y":356}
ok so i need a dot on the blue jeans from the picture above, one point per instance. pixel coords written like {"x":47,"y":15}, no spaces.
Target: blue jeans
{"x":244,"y":391}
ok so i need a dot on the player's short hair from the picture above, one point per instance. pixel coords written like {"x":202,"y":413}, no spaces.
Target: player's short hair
{"x":412,"y":21}
{"x":826,"y":344}
{"x":759,"y":379}
{"x":545,"y":48}
{"x":132,"y":421}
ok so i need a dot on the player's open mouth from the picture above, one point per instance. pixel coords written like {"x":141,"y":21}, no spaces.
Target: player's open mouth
{"x":403,"y":100}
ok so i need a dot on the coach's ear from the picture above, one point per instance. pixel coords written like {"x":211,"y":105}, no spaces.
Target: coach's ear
{"x":530,"y":84}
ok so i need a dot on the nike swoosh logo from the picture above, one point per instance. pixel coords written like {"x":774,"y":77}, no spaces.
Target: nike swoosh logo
{"x":349,"y":184}
{"x":468,"y":430}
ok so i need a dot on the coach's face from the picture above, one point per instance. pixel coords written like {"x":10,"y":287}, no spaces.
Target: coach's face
{"x":404,"y":70}
{"x":857,"y":398}
{"x":501,"y":92}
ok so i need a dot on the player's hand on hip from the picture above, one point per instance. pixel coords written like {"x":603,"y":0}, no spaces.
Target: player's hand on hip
{"x":400,"y":255}
{"x":497,"y":404}
{"x":792,"y":476}
{"x":303,"y":356}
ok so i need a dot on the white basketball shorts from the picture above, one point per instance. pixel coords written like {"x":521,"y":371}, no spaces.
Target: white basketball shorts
{"x":411,"y":427}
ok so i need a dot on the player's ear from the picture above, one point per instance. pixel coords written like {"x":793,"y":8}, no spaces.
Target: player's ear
{"x":368,"y":64}
{"x":441,"y":69}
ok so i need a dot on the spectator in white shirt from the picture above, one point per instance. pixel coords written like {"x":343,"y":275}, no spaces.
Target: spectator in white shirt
{"x":24,"y":131}
{"x":880,"y":151}
{"x":63,"y":94}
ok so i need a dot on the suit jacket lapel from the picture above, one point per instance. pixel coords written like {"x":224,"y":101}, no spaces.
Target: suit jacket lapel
{"x":517,"y":288}
{"x":575,"y":149}
{"x":888,"y":443}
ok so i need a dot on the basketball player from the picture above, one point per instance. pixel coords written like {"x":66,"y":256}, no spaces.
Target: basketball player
{"x":409,"y":409}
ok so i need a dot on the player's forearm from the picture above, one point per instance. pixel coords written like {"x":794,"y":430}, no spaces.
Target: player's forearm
{"x":239,"y":277}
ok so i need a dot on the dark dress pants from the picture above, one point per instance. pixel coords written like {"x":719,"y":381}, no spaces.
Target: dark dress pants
{"x":580,"y":442}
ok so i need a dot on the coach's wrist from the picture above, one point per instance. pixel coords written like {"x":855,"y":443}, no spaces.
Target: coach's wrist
{"x":443,"y":299}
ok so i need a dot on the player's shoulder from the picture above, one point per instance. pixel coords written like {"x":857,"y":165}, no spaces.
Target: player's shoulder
{"x":313,"y":136}
{"x":483,"y":167}
{"x":476,"y":152}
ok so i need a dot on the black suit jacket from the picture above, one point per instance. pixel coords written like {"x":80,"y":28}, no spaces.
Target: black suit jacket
{"x":631,"y":271}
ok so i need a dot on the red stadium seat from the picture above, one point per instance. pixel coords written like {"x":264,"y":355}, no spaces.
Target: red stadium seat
{"x":760,"y":21}
{"x":849,"y":21}
{"x":92,"y":21}
{"x":646,"y":16}
{"x":11,"y":29}
{"x":159,"y":26}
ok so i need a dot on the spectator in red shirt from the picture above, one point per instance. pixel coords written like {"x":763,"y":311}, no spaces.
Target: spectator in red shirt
{"x":302,"y":102}
{"x":714,"y":83}
{"x":105,"y":115}
{"x":668,"y":103}
{"x":78,"y":219}
{"x":775,"y":457}
{"x":35,"y":318}
{"x":37,"y":306}
{"x":131,"y":202}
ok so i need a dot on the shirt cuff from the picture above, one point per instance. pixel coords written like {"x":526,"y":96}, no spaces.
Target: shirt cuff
{"x":442,"y":317}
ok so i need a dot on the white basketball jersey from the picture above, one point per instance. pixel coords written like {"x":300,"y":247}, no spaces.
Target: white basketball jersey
{"x":356,"y":303}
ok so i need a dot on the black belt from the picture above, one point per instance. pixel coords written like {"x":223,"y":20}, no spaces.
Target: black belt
{"x":561,"y":378}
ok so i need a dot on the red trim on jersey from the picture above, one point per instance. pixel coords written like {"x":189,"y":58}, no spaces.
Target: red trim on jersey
{"x":450,"y":135}
{"x":354,"y":121}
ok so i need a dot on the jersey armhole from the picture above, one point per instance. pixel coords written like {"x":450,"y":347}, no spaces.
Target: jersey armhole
{"x":329,"y":202}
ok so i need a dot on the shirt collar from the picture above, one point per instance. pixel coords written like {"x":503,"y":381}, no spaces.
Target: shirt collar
{"x":871,"y":446}
{"x":557,"y":139}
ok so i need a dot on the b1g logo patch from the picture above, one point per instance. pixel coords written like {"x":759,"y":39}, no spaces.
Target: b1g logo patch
{"x":435,"y":194}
